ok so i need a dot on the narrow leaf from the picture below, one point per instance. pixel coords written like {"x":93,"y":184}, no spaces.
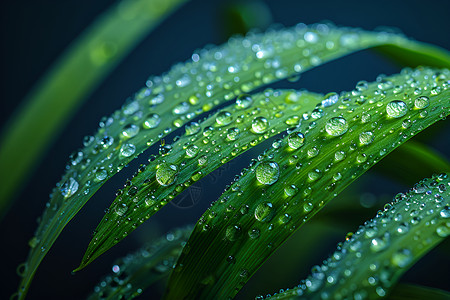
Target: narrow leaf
{"x":289,"y":184}
{"x":370,"y":262}
{"x":169,"y":101}
{"x":203,"y":148}
{"x":403,"y":291}
{"x":55,"y":98}
{"x":132,"y":274}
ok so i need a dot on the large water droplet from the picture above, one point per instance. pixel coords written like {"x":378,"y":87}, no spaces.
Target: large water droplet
{"x":181,"y":108}
{"x":267,"y":173}
{"x":330,"y":99}
{"x":233,"y":133}
{"x":396,"y":109}
{"x":260,"y":125}
{"x":192,"y":150}
{"x":264,"y":212}
{"x":166,"y":174}
{"x":336,"y":126}
{"x":192,"y":128}
{"x":296,"y":140}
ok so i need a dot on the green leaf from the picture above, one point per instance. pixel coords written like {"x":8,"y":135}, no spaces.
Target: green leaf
{"x":60,"y":92}
{"x":203,"y":148}
{"x":169,"y":101}
{"x":370,"y":262}
{"x":291,"y":183}
{"x":132,"y":274}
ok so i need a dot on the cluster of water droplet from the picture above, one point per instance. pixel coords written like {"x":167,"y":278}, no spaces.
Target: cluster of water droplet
{"x":132,"y":274}
{"x":367,"y":263}
{"x":335,"y":143}
{"x":202,"y":149}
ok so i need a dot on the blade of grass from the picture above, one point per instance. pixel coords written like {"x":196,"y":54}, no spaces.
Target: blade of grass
{"x":371,"y":261}
{"x":200,"y":150}
{"x":405,"y":291}
{"x":212,"y":77}
{"x":56,"y":97}
{"x":132,"y":274}
{"x":289,"y":184}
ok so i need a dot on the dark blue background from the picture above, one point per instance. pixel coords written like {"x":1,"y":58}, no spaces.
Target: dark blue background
{"x":33,"y":34}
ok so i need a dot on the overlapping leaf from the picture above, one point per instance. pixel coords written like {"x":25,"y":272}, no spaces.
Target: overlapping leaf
{"x":137,"y":271}
{"x":169,"y":101}
{"x":290,"y":183}
{"x":370,"y":262}
{"x":203,"y":148}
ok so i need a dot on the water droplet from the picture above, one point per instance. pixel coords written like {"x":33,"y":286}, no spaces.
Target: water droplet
{"x":445,"y":213}
{"x":192,"y":151}
{"x":224,"y":118}
{"x":233,"y":133}
{"x":69,"y":188}
{"x":254,"y":233}
{"x":166,"y":174}
{"x":264,"y":212}
{"x":336,"y":126}
{"x":396,"y":109}
{"x":244,"y":101}
{"x":402,"y":258}
{"x":232,"y":232}
{"x":365,"y":138}
{"x":127,"y":150}
{"x":260,"y":125}
{"x":296,"y":140}
{"x":121,"y":209}
{"x":379,"y":244}
{"x":152,"y":121}
{"x":106,"y":142}
{"x":291,"y":190}
{"x":130,"y":131}
{"x":267,"y":173}
{"x":330,"y":99}
{"x":192,"y":128}
{"x":101,"y":174}
{"x":422,"y":102}
{"x":181,"y":108}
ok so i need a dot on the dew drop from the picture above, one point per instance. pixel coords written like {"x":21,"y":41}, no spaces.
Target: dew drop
{"x":166,"y":174}
{"x":267,"y":173}
{"x":127,"y":150}
{"x":264,"y":212}
{"x":192,"y":128}
{"x":181,"y":108}
{"x":365,"y":138}
{"x":232,"y":233}
{"x":192,"y":151}
{"x":152,"y":121}
{"x":260,"y":125}
{"x":101,"y":174}
{"x":396,"y":109}
{"x":296,"y":140}
{"x":244,"y":101}
{"x":336,"y":126}
{"x":69,"y":188}
{"x":330,"y":99}
{"x":402,"y":258}
{"x":422,"y":102}
{"x":130,"y":131}
{"x":291,"y":190}
{"x":224,"y":118}
{"x":233,"y":133}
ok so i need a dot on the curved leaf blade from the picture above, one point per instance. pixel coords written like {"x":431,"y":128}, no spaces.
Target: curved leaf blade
{"x":54,"y":99}
{"x":407,"y":229}
{"x":257,"y":213}
{"x":203,"y":148}
{"x":135,"y":272}
{"x":187,"y":91}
